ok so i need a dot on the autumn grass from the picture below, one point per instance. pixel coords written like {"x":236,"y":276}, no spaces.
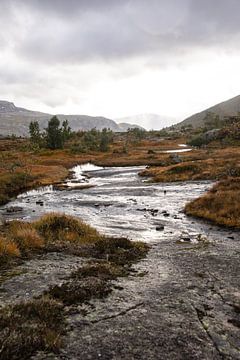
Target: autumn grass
{"x":22,"y":168}
{"x":220,"y":205}
{"x":8,"y":249}
{"x":61,"y":227}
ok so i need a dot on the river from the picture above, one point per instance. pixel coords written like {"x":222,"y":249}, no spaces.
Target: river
{"x":119,"y":203}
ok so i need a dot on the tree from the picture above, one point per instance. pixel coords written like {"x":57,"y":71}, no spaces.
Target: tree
{"x":34,"y":131}
{"x":104,"y":140}
{"x":66,"y":130}
{"x":54,"y":134}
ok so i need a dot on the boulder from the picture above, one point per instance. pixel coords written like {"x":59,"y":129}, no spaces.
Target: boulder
{"x":175,"y":159}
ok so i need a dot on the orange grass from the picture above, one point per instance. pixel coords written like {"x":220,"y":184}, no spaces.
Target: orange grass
{"x":220,"y":205}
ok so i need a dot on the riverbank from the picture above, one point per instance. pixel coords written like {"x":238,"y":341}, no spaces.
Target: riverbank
{"x":37,"y":322}
{"x":21,"y":170}
{"x":221,"y":204}
{"x":181,"y":301}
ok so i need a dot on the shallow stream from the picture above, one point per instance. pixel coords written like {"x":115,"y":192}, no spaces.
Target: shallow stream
{"x":119,"y":202}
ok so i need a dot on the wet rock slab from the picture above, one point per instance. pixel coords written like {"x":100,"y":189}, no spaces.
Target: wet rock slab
{"x":35,"y":276}
{"x":184,"y":301}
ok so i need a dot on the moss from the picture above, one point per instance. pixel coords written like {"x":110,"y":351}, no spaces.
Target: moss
{"x":101,"y":269}
{"x":80,"y":291}
{"x":119,"y":250}
{"x":29,"y":327}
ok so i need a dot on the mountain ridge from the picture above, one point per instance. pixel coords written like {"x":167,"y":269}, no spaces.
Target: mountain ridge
{"x":230,"y":107}
{"x":16,"y":120}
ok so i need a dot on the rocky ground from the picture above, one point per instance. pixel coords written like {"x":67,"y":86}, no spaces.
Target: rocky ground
{"x":182,"y":302}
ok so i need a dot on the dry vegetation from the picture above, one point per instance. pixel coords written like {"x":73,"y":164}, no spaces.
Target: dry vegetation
{"x":39,"y":324}
{"x":63,"y":233}
{"x":220,"y":205}
{"x":31,"y":326}
{"x":21,"y":168}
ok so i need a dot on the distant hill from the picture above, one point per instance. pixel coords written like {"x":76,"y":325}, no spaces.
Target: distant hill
{"x":125,"y":126}
{"x":227,"y":108}
{"x":16,"y":120}
{"x":149,"y":121}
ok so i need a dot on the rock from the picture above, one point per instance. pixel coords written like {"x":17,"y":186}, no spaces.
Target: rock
{"x":185,"y":238}
{"x":166,"y":214}
{"x":14,"y":209}
{"x":153,"y":212}
{"x":62,"y":187}
{"x":40,"y":202}
{"x":175,"y":158}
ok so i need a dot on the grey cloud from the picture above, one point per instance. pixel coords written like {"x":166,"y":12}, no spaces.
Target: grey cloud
{"x":105,"y":30}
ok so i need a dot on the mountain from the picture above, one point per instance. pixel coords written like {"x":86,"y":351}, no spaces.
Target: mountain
{"x":125,"y":126}
{"x":226,"y":108}
{"x":16,"y":120}
{"x":149,"y":121}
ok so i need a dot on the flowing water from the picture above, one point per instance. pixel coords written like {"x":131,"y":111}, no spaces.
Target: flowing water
{"x":119,"y":202}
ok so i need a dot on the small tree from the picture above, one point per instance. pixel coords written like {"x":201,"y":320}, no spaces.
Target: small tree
{"x":34,"y":131}
{"x":104,"y":140}
{"x":54,"y":134}
{"x":66,"y":130}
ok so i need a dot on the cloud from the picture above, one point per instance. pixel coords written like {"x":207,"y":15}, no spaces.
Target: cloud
{"x":70,"y":52}
{"x":79,"y":31}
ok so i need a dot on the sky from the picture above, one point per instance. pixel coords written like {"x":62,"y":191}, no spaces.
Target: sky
{"x":118,"y":58}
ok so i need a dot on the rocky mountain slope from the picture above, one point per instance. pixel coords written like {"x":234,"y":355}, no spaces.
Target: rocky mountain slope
{"x":16,"y":120}
{"x":226,"y":108}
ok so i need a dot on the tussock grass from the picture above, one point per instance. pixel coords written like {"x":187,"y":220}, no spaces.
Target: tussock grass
{"x":64,"y":232}
{"x":31,"y":326}
{"x":220,"y":205}
{"x":8,"y":249}
{"x":60,"y":227}
{"x":58,"y":230}
{"x":25,"y":236}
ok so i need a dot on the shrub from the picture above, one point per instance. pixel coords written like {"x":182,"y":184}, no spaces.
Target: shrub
{"x":183,"y":168}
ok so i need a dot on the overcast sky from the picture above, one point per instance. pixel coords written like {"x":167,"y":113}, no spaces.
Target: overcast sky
{"x":119,"y":58}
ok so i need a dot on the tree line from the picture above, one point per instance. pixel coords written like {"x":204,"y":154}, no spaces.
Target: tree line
{"x":55,"y":135}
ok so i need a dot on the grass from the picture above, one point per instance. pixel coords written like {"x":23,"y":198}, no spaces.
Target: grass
{"x":31,"y":326}
{"x":8,"y":249}
{"x":38,"y":325}
{"x":13,"y":183}
{"x":62,"y":232}
{"x":220,"y":205}
{"x":60,"y":227}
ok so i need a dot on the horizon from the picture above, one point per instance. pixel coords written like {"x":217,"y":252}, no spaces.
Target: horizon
{"x":119,"y":60}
